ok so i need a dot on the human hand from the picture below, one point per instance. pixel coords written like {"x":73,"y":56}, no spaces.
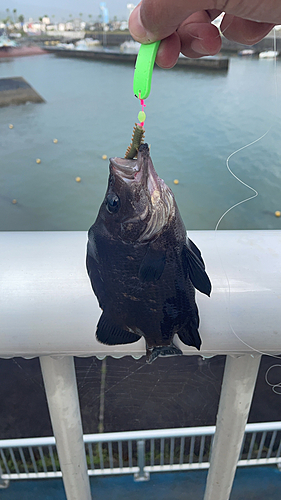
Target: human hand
{"x":185,"y":25}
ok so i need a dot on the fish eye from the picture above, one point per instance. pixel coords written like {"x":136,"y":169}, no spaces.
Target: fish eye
{"x":112,"y":203}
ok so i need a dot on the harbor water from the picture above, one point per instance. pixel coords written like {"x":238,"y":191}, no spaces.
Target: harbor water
{"x":195,"y":120}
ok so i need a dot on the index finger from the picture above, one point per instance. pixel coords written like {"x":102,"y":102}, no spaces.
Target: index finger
{"x":157,"y":19}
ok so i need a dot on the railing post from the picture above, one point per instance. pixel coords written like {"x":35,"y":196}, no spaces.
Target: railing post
{"x":235,"y":401}
{"x":141,"y":475}
{"x":4,"y":483}
{"x":62,"y":395}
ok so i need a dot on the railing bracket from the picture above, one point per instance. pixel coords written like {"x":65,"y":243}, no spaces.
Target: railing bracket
{"x":4,"y":483}
{"x":144,"y":477}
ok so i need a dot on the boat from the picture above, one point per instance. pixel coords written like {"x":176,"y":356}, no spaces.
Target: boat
{"x":130,"y":47}
{"x":83,"y":44}
{"x":268,"y":54}
{"x":9,"y":48}
{"x":246,"y":52}
{"x":65,"y":46}
{"x":5,"y":42}
{"x":87,"y":44}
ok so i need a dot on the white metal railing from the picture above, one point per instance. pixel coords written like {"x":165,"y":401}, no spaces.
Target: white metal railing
{"x":47,"y":309}
{"x":46,"y":296}
{"x":139,"y":452}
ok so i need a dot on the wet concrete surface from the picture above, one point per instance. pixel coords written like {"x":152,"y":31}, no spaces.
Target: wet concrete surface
{"x":172,"y":392}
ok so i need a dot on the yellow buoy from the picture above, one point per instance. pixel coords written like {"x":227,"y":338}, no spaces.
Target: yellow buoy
{"x":104,"y":157}
{"x":11,"y":126}
{"x":78,"y":179}
{"x":277,"y":213}
{"x":55,"y":141}
{"x":14,"y":201}
{"x":38,"y":160}
{"x":176,"y":181}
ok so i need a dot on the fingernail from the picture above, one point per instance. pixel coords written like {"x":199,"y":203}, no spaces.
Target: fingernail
{"x":137,"y":29}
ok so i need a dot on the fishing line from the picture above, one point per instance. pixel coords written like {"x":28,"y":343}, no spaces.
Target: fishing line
{"x":240,"y":180}
{"x":254,"y":195}
{"x":122,"y":380}
{"x":276,"y":388}
{"x":221,"y":32}
{"x":28,"y":376}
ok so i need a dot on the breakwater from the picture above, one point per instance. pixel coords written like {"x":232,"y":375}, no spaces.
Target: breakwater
{"x":111,"y":39}
{"x":213,"y":63}
{"x":17,"y":91}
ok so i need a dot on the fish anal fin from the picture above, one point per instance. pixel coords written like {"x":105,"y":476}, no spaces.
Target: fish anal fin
{"x":190,"y":337}
{"x":110,"y":334}
{"x":153,"y":265}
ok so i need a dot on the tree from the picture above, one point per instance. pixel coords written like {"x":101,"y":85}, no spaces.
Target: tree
{"x":80,"y":14}
{"x":8,"y":19}
{"x":21,"y":19}
{"x":14,"y":12}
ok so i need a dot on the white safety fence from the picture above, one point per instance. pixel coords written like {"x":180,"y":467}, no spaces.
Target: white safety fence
{"x":138,"y":452}
{"x":48,"y":309}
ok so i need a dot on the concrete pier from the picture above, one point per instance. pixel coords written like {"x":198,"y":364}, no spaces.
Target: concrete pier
{"x":16,"y":90}
{"x":212,"y":62}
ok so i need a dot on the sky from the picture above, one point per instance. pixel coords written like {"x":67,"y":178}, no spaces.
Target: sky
{"x":62,"y":8}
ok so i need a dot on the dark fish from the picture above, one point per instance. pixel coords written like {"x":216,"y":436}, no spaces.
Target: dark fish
{"x":142,"y":266}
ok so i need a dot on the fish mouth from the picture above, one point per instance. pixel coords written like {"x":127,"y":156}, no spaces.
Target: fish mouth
{"x":142,"y":171}
{"x":133,"y":170}
{"x":126,"y":169}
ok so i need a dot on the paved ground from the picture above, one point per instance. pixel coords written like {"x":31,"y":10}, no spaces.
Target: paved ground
{"x":257,"y":483}
{"x":172,"y":392}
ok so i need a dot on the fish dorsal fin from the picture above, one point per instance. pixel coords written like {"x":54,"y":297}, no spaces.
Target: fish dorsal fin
{"x":110,"y":334}
{"x":153,"y":264}
{"x":194,"y":264}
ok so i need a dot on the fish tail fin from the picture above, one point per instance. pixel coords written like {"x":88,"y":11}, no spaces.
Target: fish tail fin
{"x":165,"y":350}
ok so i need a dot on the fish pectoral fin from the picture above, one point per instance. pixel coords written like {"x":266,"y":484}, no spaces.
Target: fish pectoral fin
{"x":153,"y":265}
{"x":194,"y":264}
{"x":96,"y":282}
{"x":193,"y":248}
{"x":110,"y":334}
